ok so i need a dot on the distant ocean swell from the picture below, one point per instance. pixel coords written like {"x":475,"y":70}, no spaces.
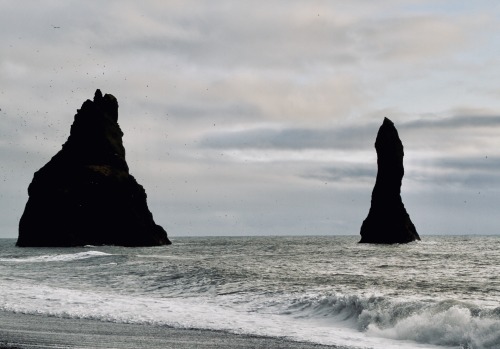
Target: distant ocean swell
{"x":311,"y":318}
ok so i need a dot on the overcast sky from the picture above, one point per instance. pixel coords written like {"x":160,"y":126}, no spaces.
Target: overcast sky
{"x":259,"y":117}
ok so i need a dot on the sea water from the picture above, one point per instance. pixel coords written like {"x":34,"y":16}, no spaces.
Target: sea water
{"x":442,"y":292}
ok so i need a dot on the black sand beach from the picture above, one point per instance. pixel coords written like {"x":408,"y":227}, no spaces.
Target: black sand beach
{"x":33,"y":331}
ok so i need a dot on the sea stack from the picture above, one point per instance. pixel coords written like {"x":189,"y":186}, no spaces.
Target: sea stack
{"x":85,"y":194}
{"x":387,"y":221}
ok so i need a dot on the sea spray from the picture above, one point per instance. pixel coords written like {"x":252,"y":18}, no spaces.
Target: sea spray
{"x":446,"y":323}
{"x":455,"y":326}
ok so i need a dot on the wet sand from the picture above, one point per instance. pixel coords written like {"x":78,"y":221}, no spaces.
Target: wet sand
{"x":33,"y":331}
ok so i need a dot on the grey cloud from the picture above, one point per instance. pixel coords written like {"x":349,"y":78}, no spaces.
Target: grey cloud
{"x":292,"y":138}
{"x":459,"y":121}
{"x":210,"y":34}
{"x":228,"y":34}
{"x":479,"y":164}
{"x":351,"y":137}
{"x":411,"y":38}
{"x":342,"y":172}
{"x":466,"y":171}
{"x":218,"y":110}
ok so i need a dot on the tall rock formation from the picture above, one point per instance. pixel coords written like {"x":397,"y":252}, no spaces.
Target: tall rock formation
{"x":85,"y":194}
{"x":388,"y":222}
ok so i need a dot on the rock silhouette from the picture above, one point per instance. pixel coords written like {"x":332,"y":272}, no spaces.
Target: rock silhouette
{"x":387,"y":221}
{"x":85,"y":194}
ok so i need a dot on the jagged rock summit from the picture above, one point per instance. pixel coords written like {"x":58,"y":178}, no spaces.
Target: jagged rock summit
{"x":85,"y":194}
{"x":387,"y":221}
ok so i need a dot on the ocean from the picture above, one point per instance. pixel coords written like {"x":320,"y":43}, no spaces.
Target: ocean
{"x":442,"y":292}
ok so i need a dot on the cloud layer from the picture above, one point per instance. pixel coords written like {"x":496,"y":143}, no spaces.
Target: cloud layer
{"x":260,"y":117}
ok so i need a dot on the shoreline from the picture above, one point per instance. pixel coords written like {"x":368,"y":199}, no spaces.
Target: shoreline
{"x":25,"y":331}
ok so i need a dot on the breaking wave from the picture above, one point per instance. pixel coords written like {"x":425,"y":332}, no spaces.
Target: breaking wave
{"x":443,"y":323}
{"x":426,"y":323}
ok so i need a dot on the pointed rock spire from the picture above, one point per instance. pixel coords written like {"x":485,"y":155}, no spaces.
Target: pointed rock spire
{"x":387,"y":221}
{"x":85,"y":194}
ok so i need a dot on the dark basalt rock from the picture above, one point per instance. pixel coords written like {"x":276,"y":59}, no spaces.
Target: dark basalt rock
{"x":85,"y":194}
{"x":388,"y":222}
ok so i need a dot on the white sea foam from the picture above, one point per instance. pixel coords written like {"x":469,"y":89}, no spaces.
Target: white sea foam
{"x":199,"y":312}
{"x":445,"y":323}
{"x":453,"y":326}
{"x":57,"y":257}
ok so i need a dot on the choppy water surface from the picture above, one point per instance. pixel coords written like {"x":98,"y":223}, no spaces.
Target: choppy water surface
{"x":442,"y":292}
